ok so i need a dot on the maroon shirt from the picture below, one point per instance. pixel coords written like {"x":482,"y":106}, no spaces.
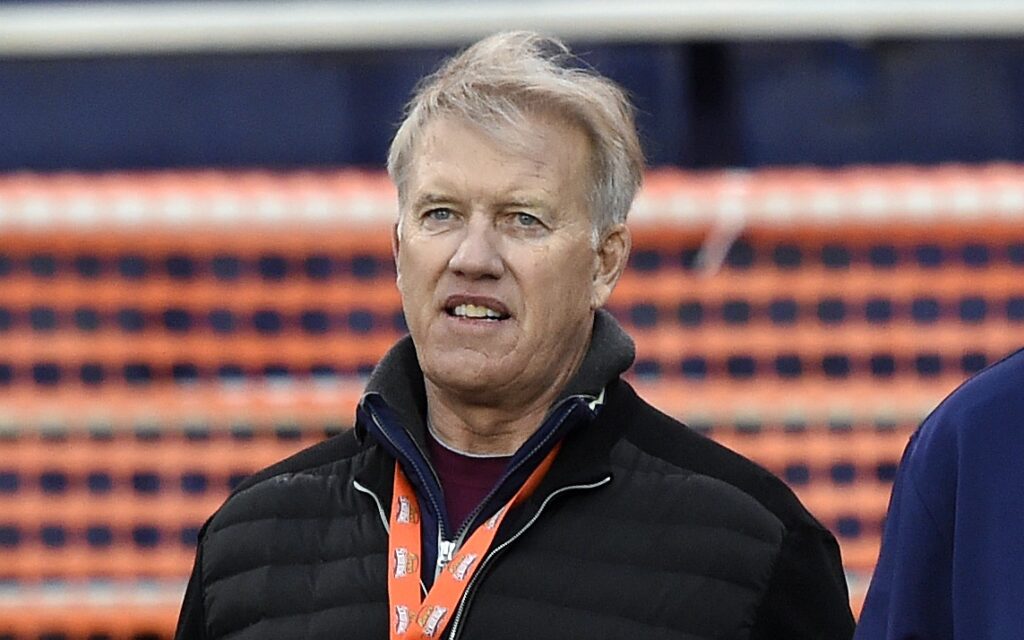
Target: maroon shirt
{"x":466,"y":480}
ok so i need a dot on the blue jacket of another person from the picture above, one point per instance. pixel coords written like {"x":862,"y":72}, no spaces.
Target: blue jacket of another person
{"x":952,"y":559}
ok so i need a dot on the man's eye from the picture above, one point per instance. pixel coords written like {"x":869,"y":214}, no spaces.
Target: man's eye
{"x":526,"y":220}
{"x":440,"y":214}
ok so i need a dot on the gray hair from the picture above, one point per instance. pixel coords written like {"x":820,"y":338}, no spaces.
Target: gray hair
{"x":497,"y":82}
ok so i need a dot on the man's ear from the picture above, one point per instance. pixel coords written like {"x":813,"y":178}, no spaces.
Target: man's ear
{"x":396,"y":242}
{"x":609,"y":263}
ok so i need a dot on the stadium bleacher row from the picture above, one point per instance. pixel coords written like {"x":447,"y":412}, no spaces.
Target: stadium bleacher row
{"x":154,"y":357}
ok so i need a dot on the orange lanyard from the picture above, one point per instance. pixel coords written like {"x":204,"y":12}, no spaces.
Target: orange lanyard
{"x":415,"y":618}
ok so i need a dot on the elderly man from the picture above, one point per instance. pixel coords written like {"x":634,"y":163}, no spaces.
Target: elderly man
{"x":502,"y":480}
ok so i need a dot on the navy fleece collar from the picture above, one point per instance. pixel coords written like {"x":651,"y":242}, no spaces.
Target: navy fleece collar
{"x":398,"y":378}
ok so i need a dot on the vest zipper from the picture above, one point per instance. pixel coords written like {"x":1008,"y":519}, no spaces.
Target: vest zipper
{"x":460,"y":535}
{"x":445,"y":552}
{"x":446,"y":549}
{"x":443,"y":545}
{"x":470,"y":588}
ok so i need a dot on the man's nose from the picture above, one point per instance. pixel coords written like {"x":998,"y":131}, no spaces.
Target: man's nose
{"x":478,"y":255}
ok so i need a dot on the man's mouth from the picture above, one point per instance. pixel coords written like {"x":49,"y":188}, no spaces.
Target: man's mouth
{"x":477,"y":310}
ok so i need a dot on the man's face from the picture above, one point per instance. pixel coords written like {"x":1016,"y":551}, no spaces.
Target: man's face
{"x":495,"y":265}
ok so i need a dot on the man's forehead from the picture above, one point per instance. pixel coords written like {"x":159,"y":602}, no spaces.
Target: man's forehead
{"x":519,"y":162}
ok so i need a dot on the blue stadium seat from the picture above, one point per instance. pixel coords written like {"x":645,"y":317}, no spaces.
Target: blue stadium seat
{"x":690,"y":313}
{"x":315,"y":321}
{"x":788,"y":365}
{"x":925,"y":310}
{"x":43,"y":265}
{"x":318,"y":267}
{"x":133,"y":266}
{"x":361,"y":321}
{"x":783,"y":311}
{"x":694,"y":367}
{"x":742,"y":367}
{"x":10,"y":481}
{"x":736,"y":311}
{"x":131,"y":320}
{"x":222,"y":321}
{"x":137,"y":373}
{"x":836,"y":365}
{"x":184,"y":372}
{"x":928,"y":364}
{"x":843,"y":473}
{"x":1015,"y":309}
{"x":226,"y":267}
{"x":10,"y":535}
{"x":272,"y":266}
{"x":973,"y":362}
{"x":1015,"y":253}
{"x":99,"y":536}
{"x":53,"y":536}
{"x":848,"y":527}
{"x":647,"y":368}
{"x":366,"y":267}
{"x":976,"y":255}
{"x":47,"y":374}
{"x":831,"y":311}
{"x":87,"y":319}
{"x":787,"y":256}
{"x":43,"y":319}
{"x":180,"y":266}
{"x":973,"y":309}
{"x":646,"y":260}
{"x":797,"y":474}
{"x":146,"y":536}
{"x":836,"y":256}
{"x":99,"y":482}
{"x":878,"y":310}
{"x":929,"y":256}
{"x":883,"y":256}
{"x":177,"y":320}
{"x":643,"y":315}
{"x":267,"y":321}
{"x":146,"y":482}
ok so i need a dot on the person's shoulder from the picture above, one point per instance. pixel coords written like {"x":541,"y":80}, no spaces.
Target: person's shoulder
{"x":666,"y":438}
{"x":995,"y":389}
{"x":338,"y":447}
{"x":984,"y":411}
{"x":283,"y":487}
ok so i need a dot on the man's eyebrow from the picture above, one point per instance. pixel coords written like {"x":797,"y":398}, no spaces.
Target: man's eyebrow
{"x":432,"y":198}
{"x":524,"y":202}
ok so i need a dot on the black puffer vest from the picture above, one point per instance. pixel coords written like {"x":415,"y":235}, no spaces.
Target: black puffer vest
{"x":642,"y":529}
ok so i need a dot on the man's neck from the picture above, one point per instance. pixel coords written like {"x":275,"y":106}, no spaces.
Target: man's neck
{"x":477,"y":430}
{"x":499,"y":422}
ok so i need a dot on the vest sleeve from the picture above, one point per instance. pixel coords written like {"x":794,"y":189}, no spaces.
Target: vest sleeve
{"x":807,"y":596}
{"x":192,"y":619}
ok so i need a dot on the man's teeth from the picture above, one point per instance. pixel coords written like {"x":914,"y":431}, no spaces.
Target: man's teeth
{"x":475,"y":311}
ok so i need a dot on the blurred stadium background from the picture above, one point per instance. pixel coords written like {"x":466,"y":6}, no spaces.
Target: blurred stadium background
{"x":195,"y":275}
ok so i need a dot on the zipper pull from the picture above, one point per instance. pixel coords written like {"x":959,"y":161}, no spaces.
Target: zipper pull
{"x":445,"y":553}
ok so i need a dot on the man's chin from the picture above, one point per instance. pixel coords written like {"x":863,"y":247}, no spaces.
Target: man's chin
{"x":478,"y":380}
